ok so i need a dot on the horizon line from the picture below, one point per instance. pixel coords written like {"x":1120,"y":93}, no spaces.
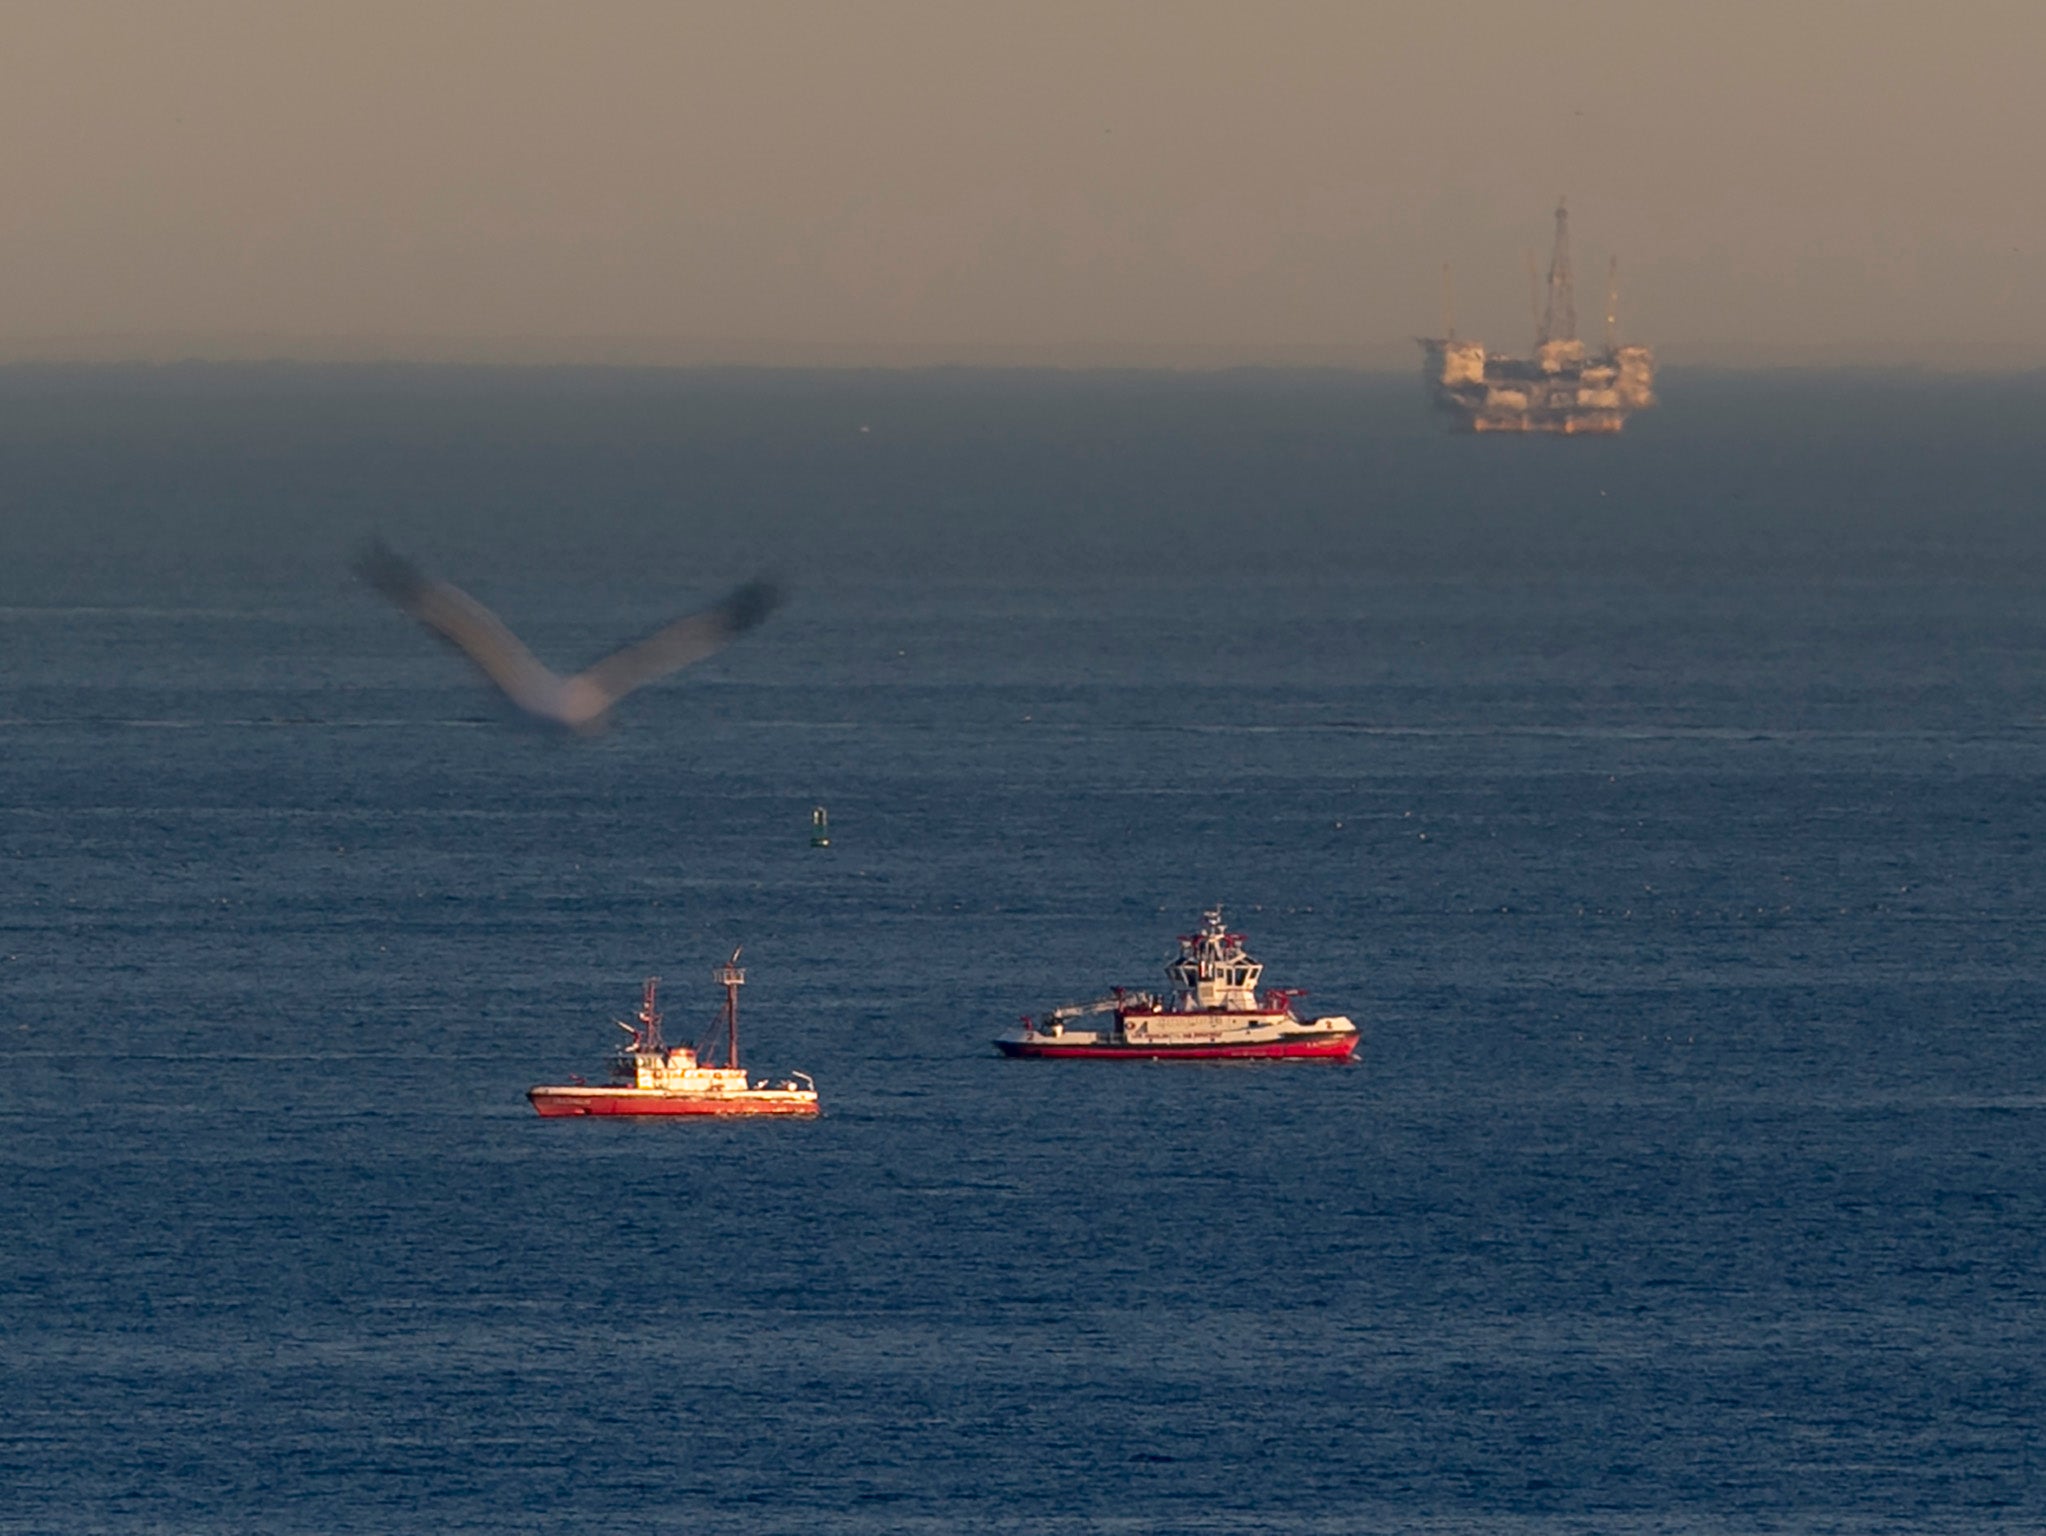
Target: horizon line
{"x":623,"y":352}
{"x":399,"y":363}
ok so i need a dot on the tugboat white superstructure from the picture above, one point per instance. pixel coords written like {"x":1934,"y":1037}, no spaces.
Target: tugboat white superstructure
{"x":651,"y":1077}
{"x":1213,"y":1012}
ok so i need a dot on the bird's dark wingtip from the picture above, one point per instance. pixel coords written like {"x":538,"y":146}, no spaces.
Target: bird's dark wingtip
{"x":389,"y":572}
{"x":750,"y":604}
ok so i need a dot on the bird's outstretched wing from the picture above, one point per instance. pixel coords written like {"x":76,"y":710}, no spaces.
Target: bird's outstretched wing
{"x":674,"y":645}
{"x":582,"y":701}
{"x":467,"y":625}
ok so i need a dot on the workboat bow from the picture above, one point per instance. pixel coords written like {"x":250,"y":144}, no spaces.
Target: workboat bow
{"x":1213,"y":1012}
{"x":651,"y":1077}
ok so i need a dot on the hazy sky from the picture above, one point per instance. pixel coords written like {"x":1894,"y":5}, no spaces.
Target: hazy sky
{"x":1027,"y":181}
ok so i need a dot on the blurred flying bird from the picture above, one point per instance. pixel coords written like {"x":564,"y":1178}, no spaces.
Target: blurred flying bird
{"x":582,"y":702}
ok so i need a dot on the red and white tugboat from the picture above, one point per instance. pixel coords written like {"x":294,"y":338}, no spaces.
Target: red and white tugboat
{"x":650,"y":1077}
{"x":1213,"y":1013}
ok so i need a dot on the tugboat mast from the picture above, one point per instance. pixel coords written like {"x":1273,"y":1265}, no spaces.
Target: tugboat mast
{"x":731,"y":978}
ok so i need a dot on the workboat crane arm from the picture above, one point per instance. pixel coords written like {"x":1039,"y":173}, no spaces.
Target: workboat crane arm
{"x":1082,"y":1010}
{"x":1120,"y":998}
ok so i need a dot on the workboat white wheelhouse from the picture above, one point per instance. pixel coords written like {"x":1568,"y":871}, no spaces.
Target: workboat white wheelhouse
{"x":651,"y":1077}
{"x":1213,"y":1012}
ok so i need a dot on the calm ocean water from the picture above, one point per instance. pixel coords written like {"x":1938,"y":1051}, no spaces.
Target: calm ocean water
{"x":1668,"y":811}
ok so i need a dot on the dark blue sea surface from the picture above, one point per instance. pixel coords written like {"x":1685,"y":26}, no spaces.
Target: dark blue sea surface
{"x":1668,"y":811}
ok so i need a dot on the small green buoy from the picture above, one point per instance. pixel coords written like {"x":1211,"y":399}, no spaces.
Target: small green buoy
{"x":820,"y":828}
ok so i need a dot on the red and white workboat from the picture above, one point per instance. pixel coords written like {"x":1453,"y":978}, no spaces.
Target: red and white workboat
{"x":1213,"y":1013}
{"x":651,"y":1077}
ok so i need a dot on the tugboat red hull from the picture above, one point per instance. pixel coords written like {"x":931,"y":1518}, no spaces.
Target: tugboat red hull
{"x":557,"y":1103}
{"x":1328,"y":1048}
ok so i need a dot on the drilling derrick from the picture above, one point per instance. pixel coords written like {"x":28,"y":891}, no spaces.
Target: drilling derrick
{"x":1561,"y":388}
{"x":1559,"y":320}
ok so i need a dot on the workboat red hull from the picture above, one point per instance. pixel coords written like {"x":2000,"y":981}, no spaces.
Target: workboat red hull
{"x":560,"y":1102}
{"x":1325,"y":1048}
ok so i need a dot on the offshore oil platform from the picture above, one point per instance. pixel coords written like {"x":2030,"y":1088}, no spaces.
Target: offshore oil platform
{"x":1562,"y":387}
